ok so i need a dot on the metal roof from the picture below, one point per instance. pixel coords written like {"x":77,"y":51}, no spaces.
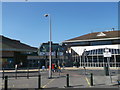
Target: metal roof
{"x":8,"y":44}
{"x":96,"y":36}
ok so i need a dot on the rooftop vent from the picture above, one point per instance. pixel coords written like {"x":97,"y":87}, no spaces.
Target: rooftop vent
{"x":101,"y":34}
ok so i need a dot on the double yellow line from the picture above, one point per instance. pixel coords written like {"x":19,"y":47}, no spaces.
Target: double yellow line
{"x":48,"y":83}
{"x":54,"y":79}
{"x":88,"y":81}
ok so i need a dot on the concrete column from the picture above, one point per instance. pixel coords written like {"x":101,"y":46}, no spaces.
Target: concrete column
{"x":92,"y":59}
{"x":114,"y":57}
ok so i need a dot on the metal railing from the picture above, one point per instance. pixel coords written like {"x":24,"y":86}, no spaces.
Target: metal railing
{"x":99,"y":64}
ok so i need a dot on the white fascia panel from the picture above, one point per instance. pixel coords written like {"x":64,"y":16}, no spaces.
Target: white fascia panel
{"x":80,"y":49}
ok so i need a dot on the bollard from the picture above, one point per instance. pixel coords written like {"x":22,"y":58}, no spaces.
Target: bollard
{"x":85,"y":70}
{"x":28,"y":73}
{"x":6,"y":83}
{"x":39,"y":81}
{"x":3,"y":74}
{"x":67,"y":80}
{"x":118,"y":82}
{"x":39,"y":70}
{"x":106,"y":70}
{"x":16,"y":73}
{"x":59,"y":73}
{"x":91,"y":79}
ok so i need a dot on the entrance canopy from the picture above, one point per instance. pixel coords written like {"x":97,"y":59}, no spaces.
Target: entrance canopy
{"x":80,"y":49}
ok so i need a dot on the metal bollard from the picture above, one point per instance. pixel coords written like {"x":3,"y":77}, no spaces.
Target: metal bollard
{"x":16,"y":73}
{"x":39,"y":70}
{"x":67,"y":80}
{"x":6,"y":83}
{"x":27,"y":73}
{"x":39,"y":81}
{"x":118,"y":82}
{"x":91,"y":79}
{"x":3,"y":74}
{"x":106,"y":70}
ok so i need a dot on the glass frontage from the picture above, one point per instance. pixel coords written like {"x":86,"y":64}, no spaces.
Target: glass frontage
{"x":95,"y":58}
{"x":100,"y":43}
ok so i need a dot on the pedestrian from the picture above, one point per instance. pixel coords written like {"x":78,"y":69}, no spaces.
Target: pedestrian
{"x":59,"y":69}
{"x":43,"y":68}
{"x":56,"y":68}
{"x":63,"y":65}
{"x":53,"y":67}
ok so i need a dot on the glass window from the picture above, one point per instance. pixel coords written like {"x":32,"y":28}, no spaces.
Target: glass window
{"x":100,"y":43}
{"x":116,"y":41}
{"x":79,"y":43}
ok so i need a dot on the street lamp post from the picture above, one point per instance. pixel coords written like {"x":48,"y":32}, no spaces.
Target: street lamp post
{"x":50,"y":45}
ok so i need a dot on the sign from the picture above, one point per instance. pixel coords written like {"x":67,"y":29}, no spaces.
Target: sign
{"x":107,"y":54}
{"x":52,"y":53}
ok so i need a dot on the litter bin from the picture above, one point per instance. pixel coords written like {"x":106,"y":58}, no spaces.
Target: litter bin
{"x":106,"y":68}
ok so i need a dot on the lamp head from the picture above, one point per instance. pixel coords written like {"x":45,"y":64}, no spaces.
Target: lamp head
{"x":46,"y":15}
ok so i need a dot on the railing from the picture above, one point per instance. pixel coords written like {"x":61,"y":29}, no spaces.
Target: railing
{"x":99,"y":64}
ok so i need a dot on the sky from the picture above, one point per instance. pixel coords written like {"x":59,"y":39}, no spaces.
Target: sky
{"x":25,"y":21}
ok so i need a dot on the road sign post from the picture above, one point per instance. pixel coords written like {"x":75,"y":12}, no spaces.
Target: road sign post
{"x":108,"y":54}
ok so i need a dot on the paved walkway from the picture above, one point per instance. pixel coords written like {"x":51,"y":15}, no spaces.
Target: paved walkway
{"x":67,"y":68}
{"x":77,"y":79}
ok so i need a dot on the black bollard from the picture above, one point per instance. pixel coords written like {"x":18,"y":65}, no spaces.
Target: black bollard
{"x":118,"y":82}
{"x":3,"y":74}
{"x":6,"y":83}
{"x":67,"y":80}
{"x":59,"y":73}
{"x":39,"y":81}
{"x":106,"y":68}
{"x":28,"y":73}
{"x":39,"y":70}
{"x":91,"y":79}
{"x":16,"y":73}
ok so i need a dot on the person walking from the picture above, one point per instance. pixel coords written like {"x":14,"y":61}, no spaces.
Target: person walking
{"x":59,"y":69}
{"x":53,"y":67}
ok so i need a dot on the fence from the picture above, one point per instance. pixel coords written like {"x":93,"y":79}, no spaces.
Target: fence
{"x":99,"y":64}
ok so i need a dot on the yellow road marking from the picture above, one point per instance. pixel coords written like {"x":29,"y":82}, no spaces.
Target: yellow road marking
{"x":88,"y":81}
{"x":48,"y":83}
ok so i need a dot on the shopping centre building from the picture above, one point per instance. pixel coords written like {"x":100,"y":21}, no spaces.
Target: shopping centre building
{"x":57,"y":53}
{"x":13,"y":52}
{"x":88,"y":49}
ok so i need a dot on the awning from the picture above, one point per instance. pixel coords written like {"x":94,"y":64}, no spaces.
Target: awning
{"x":80,"y":49}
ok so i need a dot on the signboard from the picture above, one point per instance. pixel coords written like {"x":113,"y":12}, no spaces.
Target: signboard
{"x":107,"y":54}
{"x":53,"y":53}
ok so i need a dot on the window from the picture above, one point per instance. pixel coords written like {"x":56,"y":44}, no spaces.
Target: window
{"x":100,"y":43}
{"x":116,"y":41}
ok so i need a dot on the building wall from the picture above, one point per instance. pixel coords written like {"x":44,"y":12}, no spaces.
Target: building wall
{"x":7,"y":54}
{"x":94,"y":59}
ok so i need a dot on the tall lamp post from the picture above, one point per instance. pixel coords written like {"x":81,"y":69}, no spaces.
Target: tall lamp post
{"x":50,"y":45}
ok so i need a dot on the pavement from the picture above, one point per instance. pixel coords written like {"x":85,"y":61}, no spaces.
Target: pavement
{"x":78,"y":78}
{"x":67,"y":68}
